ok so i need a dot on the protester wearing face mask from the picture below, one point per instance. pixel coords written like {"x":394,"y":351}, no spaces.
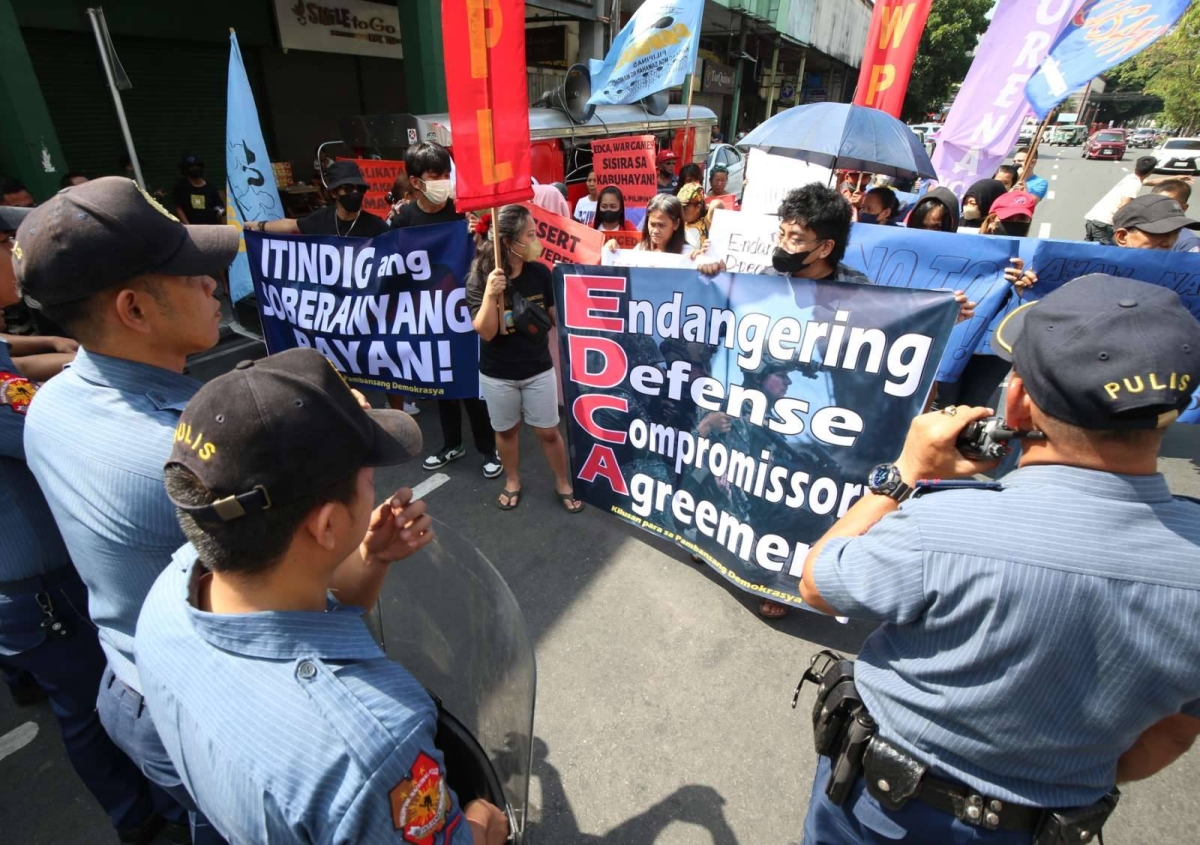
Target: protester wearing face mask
{"x":345,"y":218}
{"x":610,"y":215}
{"x":978,"y":200}
{"x":880,"y":207}
{"x":196,"y":201}
{"x":1011,"y":214}
{"x":516,"y":373}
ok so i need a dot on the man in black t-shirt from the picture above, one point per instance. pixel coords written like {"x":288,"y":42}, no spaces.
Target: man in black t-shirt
{"x":428,"y":169}
{"x":345,"y":218}
{"x":196,"y":201}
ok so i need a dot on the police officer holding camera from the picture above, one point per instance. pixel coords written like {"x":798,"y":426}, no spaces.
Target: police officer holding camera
{"x":1038,"y":641}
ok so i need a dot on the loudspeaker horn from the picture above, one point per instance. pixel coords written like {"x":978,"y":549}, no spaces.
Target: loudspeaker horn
{"x":572,"y":96}
{"x":656,"y":103}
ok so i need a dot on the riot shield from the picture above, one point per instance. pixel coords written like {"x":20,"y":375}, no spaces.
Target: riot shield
{"x":449,"y":618}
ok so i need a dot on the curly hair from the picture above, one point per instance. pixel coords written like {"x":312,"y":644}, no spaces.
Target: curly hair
{"x":822,"y":210}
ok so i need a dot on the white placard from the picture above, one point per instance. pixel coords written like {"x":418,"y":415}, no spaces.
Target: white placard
{"x":769,"y":177}
{"x":340,"y":26}
{"x":744,"y":241}
{"x":645,"y":258}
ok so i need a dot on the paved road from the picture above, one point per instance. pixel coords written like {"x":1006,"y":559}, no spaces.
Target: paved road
{"x":663,"y":709}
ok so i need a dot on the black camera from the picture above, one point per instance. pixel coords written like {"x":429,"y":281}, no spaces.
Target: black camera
{"x":989,"y":439}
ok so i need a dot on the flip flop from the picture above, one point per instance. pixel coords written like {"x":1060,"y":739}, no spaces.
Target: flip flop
{"x":509,"y":499}
{"x":565,"y":499}
{"x":768,"y":609}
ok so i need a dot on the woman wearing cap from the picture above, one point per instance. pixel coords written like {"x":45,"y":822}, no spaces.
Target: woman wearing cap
{"x":516,"y":373}
{"x":1011,"y":214}
{"x":697,"y":215}
{"x":977,"y":201}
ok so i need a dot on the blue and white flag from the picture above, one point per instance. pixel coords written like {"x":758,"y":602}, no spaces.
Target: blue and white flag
{"x":1102,"y":34}
{"x":251,"y":192}
{"x":655,"y":50}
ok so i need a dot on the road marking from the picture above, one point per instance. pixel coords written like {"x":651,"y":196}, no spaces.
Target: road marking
{"x":1054,"y":177}
{"x":1044,"y":230}
{"x":17,"y":738}
{"x":1049,"y":195}
{"x":429,"y":485}
{"x":1056,"y":168}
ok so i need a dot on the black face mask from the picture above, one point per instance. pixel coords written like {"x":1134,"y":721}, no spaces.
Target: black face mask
{"x":351,"y":201}
{"x":196,"y":172}
{"x":1013,"y":230}
{"x":608,"y":216}
{"x":789,"y":262}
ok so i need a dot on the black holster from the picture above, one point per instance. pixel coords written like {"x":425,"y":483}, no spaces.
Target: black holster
{"x":842,"y":727}
{"x":1077,"y":825}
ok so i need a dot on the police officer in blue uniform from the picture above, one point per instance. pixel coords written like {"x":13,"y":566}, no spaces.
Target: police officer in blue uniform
{"x":44,"y":630}
{"x":135,"y":287}
{"x":284,"y":717}
{"x":1038,"y":642}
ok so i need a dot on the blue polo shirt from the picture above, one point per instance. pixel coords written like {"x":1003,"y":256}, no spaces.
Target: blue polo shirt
{"x":292,"y":726}
{"x":1030,"y":634}
{"x":1037,"y":186}
{"x":96,"y":439}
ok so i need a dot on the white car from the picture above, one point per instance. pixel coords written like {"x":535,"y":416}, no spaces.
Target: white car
{"x":733,"y":160}
{"x":927,"y":131}
{"x":1178,"y":155}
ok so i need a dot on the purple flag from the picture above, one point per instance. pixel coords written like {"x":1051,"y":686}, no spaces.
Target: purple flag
{"x":986,"y":117}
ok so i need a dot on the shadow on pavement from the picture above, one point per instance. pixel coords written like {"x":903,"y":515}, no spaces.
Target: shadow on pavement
{"x":692,"y":804}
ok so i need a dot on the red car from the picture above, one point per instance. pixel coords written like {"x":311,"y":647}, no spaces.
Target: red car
{"x":1107,"y":143}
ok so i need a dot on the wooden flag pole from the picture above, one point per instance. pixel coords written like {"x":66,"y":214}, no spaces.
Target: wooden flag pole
{"x":495,"y":230}
{"x":687,"y":121}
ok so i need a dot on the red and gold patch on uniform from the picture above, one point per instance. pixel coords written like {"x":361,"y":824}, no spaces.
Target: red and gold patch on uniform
{"x":16,"y":391}
{"x":420,"y":802}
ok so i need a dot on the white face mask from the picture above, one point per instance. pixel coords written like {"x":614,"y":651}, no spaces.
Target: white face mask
{"x":972,"y":212}
{"x":438,"y":191}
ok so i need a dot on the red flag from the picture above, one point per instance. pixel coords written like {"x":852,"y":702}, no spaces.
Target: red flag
{"x":484,"y":46}
{"x":896,"y":28}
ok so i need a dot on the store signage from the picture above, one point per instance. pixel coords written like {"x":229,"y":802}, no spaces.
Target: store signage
{"x":718,"y":79}
{"x":340,"y":26}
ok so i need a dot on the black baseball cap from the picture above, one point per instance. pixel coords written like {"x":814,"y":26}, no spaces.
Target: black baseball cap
{"x":1103,"y":352}
{"x":275,"y":430}
{"x":1155,"y":214}
{"x":344,"y":173}
{"x":11,"y":217}
{"x":190,"y":161}
{"x":89,"y":237}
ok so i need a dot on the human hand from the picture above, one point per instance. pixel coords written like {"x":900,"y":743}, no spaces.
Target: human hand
{"x":487,"y":821}
{"x":65,"y":345}
{"x":1018,"y":276}
{"x":398,"y":528}
{"x":611,"y":245}
{"x":930,"y":451}
{"x":362,"y":400}
{"x":496,"y":284}
{"x":714,"y":421}
{"x":966,"y":309}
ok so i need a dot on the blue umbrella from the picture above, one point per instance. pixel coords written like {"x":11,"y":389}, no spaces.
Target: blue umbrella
{"x":842,"y":136}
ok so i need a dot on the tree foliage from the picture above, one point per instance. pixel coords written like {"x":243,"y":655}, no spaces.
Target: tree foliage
{"x":944,"y":56}
{"x":1168,"y":69}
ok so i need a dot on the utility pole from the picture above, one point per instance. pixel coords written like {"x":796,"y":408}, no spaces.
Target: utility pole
{"x":737,"y":82}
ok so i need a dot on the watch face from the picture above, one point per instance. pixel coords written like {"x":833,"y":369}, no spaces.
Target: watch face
{"x":881,"y":476}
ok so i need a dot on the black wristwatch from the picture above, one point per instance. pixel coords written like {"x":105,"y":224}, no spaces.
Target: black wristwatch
{"x":885,"y":480}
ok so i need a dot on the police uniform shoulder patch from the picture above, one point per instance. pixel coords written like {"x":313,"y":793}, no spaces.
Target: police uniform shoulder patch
{"x":16,"y":392}
{"x":421,"y":802}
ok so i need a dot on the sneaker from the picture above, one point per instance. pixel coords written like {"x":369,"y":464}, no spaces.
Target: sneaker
{"x":493,"y":466}
{"x":440,"y":459}
{"x":411,"y":408}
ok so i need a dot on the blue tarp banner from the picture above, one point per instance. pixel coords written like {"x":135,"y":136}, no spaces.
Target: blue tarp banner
{"x":738,"y":416}
{"x":655,"y":50}
{"x":1101,"y":35}
{"x":916,"y":258}
{"x":389,"y":312}
{"x":251,"y":193}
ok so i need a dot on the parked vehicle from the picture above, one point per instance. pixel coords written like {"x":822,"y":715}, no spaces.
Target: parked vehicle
{"x":1027,"y":133}
{"x":1178,"y":155}
{"x":1142,"y":139}
{"x":733,"y":160}
{"x":1106,"y":143}
{"x":1067,"y":135}
{"x":928,"y":131}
